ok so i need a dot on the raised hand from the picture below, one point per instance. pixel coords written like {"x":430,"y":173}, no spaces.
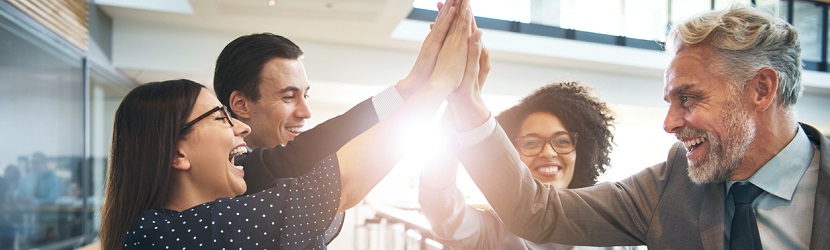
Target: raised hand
{"x":428,"y":55}
{"x":459,"y":50}
{"x":484,"y":61}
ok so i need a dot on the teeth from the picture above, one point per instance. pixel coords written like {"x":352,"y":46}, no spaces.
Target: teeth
{"x":691,"y":143}
{"x":294,"y":129}
{"x":548,"y":169}
{"x":238,"y":151}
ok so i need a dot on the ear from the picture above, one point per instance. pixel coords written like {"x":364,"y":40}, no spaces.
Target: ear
{"x":764,"y":87}
{"x":180,"y":161}
{"x":239,"y":104}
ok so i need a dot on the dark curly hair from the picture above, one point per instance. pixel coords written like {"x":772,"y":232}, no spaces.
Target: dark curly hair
{"x":579,"y":112}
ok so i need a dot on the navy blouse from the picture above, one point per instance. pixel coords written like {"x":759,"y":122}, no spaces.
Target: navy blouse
{"x":296,"y":213}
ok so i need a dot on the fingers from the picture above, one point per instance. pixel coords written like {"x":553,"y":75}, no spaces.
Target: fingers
{"x":473,"y":59}
{"x":442,"y":12}
{"x":463,"y":24}
{"x":443,"y":21}
{"x":428,"y":54}
{"x":452,"y":58}
{"x":484,"y":64}
{"x":463,"y":4}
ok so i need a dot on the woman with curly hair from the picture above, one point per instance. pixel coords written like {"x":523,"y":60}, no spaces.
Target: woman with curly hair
{"x":563,"y":135}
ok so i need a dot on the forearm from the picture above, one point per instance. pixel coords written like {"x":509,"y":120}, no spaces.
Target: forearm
{"x":468,"y":108}
{"x":607,"y":214}
{"x":298,"y":157}
{"x":441,"y":202}
{"x":453,"y":223}
{"x":366,"y":159}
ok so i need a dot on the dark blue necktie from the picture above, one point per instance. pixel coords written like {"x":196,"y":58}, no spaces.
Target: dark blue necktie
{"x":744,"y":233}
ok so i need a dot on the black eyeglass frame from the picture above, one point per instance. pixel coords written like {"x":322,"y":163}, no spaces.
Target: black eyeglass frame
{"x":206,"y":114}
{"x":548,"y":140}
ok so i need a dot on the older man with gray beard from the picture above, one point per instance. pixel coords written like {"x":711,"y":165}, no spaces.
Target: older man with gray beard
{"x":745,"y":174}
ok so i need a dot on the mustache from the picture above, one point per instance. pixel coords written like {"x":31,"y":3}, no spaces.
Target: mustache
{"x":690,"y":132}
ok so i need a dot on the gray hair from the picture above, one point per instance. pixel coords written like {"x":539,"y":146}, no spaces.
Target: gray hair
{"x":744,"y":40}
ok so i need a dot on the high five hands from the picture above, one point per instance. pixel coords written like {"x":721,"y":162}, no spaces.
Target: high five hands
{"x":462,"y":35}
{"x":452,"y":55}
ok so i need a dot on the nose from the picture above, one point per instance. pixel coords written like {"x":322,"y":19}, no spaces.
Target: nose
{"x":302,"y":111}
{"x":674,"y":120}
{"x":240,"y":128}
{"x":548,"y":151}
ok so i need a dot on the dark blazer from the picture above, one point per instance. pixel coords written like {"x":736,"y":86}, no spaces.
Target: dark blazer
{"x":659,"y":207}
{"x":300,"y":155}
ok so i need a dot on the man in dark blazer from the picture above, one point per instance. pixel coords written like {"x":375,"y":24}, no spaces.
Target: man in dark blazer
{"x":262,"y":81}
{"x":731,"y":88}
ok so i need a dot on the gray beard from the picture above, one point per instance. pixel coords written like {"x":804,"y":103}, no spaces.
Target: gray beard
{"x":725,"y":153}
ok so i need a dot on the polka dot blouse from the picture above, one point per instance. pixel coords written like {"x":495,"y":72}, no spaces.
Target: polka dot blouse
{"x":296,"y":213}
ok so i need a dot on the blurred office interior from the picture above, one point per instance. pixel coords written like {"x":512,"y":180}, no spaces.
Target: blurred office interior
{"x":66,"y":65}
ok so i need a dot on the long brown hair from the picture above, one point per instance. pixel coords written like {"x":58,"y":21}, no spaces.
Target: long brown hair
{"x":144,"y":141}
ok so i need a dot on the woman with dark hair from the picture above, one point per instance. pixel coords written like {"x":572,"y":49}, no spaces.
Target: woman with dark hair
{"x":563,"y":135}
{"x":173,"y":182}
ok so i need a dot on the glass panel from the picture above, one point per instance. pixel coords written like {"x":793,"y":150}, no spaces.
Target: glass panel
{"x":586,"y":15}
{"x":514,"y":10}
{"x":105,"y":95}
{"x":682,"y":10}
{"x":771,"y":6}
{"x":41,"y":100}
{"x":547,"y":12}
{"x":723,"y":4}
{"x":646,"y":19}
{"x":807,"y":20}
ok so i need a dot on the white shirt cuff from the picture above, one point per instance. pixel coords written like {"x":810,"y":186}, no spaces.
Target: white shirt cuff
{"x":386,"y":102}
{"x":478,"y":134}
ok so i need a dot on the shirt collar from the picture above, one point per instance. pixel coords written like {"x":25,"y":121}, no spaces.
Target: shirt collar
{"x":780,"y":175}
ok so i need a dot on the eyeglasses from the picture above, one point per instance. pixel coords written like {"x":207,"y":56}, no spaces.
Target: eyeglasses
{"x":561,"y":142}
{"x":227,"y":117}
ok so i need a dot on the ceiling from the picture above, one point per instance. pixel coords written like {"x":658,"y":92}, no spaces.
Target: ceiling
{"x":355,"y":22}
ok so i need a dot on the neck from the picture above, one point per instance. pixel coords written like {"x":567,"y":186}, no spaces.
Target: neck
{"x":774,"y":131}
{"x":184,"y":194}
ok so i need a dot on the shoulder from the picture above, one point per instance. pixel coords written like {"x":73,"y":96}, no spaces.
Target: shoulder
{"x":147,"y":230}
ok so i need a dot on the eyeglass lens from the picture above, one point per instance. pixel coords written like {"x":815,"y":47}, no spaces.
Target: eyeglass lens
{"x":562,"y":143}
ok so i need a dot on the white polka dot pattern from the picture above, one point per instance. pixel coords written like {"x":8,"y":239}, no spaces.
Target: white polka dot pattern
{"x":296,"y":213}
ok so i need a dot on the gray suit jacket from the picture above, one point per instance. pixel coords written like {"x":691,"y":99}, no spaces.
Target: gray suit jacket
{"x":659,"y":207}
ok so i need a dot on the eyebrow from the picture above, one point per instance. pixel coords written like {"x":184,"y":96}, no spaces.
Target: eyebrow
{"x":293,"y":89}
{"x":538,"y":135}
{"x":676,"y":91}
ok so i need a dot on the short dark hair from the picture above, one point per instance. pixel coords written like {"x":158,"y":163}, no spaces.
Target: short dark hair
{"x":239,"y":66}
{"x":145,"y":139}
{"x":580,"y":112}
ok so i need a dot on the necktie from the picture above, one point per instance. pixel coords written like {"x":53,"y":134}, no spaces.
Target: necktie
{"x":744,"y":233}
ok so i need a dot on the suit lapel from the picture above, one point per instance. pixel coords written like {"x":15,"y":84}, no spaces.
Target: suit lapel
{"x":821,"y":216}
{"x":711,"y":225}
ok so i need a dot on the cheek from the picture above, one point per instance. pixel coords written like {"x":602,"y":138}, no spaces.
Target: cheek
{"x":283,"y":112}
{"x":528,"y":161}
{"x":569,"y":159}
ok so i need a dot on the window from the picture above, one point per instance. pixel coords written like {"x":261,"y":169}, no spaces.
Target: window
{"x":41,"y":102}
